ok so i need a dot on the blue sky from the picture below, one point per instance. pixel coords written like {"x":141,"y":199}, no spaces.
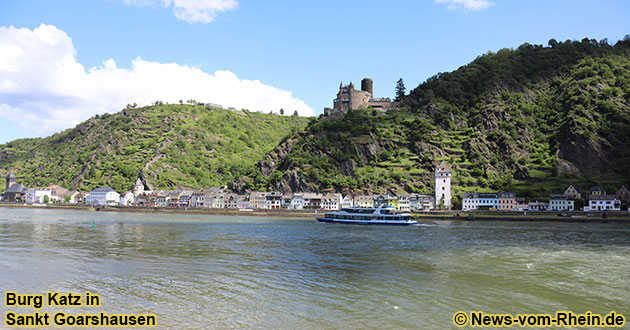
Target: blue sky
{"x":302,"y":47}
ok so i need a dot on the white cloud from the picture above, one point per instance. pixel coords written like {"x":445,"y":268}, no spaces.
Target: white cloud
{"x":466,"y":4}
{"x":191,"y":11}
{"x":44,"y":89}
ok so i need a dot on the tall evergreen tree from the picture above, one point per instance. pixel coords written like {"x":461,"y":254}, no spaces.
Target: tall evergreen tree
{"x":400,"y":89}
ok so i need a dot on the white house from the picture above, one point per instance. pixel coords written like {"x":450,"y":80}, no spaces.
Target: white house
{"x":297,"y":202}
{"x":470,"y":201}
{"x":404,"y":202}
{"x":603,"y":203}
{"x":36,"y":195}
{"x":126,"y":199}
{"x":103,"y":196}
{"x":365,"y":201}
{"x":347,"y":201}
{"x":331,"y":202}
{"x":312,"y":200}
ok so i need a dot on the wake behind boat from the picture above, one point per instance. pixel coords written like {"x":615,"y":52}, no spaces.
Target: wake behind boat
{"x":369,"y":216}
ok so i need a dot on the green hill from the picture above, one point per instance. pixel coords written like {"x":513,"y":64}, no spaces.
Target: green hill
{"x":166,"y":145}
{"x":530,"y":120}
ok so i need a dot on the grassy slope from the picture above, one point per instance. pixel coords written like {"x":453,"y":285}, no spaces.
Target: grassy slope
{"x":171,"y":144}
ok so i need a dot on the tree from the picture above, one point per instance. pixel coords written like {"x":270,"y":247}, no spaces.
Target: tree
{"x":46,"y":199}
{"x":400,"y":89}
{"x":281,"y":112}
{"x":295,"y":113}
{"x":67,"y":199}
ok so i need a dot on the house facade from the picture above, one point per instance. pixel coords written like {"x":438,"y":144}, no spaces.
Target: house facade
{"x":572,"y":193}
{"x":507,"y":201}
{"x":297,"y":202}
{"x":623,"y":194}
{"x":560,"y":203}
{"x":423,"y":203}
{"x":488,"y":201}
{"x":603,"y":203}
{"x":365,"y":201}
{"x":470,"y":201}
{"x":273,"y":200}
{"x":103,"y":196}
{"x":38,"y":196}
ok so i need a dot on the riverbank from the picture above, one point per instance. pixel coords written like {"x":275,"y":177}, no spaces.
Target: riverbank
{"x":576,"y":216}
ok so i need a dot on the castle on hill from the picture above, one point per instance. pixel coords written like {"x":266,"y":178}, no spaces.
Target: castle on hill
{"x":349,"y":98}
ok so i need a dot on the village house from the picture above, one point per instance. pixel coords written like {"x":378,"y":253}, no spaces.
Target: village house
{"x":38,"y":196}
{"x":297,"y":202}
{"x":596,"y":191}
{"x":196,"y":199}
{"x":273,"y":200}
{"x":392,"y":201}
{"x":218,"y":202}
{"x":521,"y":204}
{"x":285,"y":203}
{"x":14,"y":192}
{"x":470,"y":201}
{"x":57,"y":193}
{"x":149,"y":199}
{"x":173,"y":197}
{"x":347,"y":201}
{"x":71,"y":197}
{"x":404,"y":202}
{"x":424,"y":203}
{"x":163,"y":199}
{"x":312,"y":200}
{"x":603,"y":203}
{"x":381,"y":200}
{"x":258,"y":199}
{"x":231,"y":201}
{"x":365,"y":201}
{"x":331,"y":202}
{"x":244,"y":204}
{"x":560,"y":203}
{"x":103,"y":196}
{"x":507,"y":201}
{"x":208,"y":197}
{"x":572,"y":193}
{"x":126,"y":199}
{"x":488,"y":201}
{"x":184,"y":198}
{"x":538,"y":206}
{"x":623,"y":195}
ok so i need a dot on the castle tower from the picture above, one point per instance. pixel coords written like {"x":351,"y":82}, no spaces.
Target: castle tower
{"x":138,"y":188}
{"x":443,"y":186}
{"x":367,"y":85}
{"x":11,"y":180}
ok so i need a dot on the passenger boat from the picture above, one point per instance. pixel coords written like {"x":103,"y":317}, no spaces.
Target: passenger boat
{"x":369,"y":216}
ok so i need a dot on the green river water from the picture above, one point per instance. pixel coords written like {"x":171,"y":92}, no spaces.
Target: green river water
{"x":219,"y":272}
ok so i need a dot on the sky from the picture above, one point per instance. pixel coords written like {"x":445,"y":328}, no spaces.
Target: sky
{"x":64,"y":61}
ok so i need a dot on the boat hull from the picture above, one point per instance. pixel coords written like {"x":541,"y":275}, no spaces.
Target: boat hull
{"x":369,"y":222}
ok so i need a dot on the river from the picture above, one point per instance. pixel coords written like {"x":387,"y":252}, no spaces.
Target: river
{"x":219,"y":272}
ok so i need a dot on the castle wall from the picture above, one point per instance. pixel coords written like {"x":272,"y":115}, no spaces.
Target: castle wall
{"x":380,"y":104}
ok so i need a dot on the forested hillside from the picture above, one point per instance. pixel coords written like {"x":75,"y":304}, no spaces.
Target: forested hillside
{"x":530,"y":120}
{"x":166,"y":145}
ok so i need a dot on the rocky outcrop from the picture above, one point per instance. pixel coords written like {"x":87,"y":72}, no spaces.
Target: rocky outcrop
{"x":587,"y":156}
